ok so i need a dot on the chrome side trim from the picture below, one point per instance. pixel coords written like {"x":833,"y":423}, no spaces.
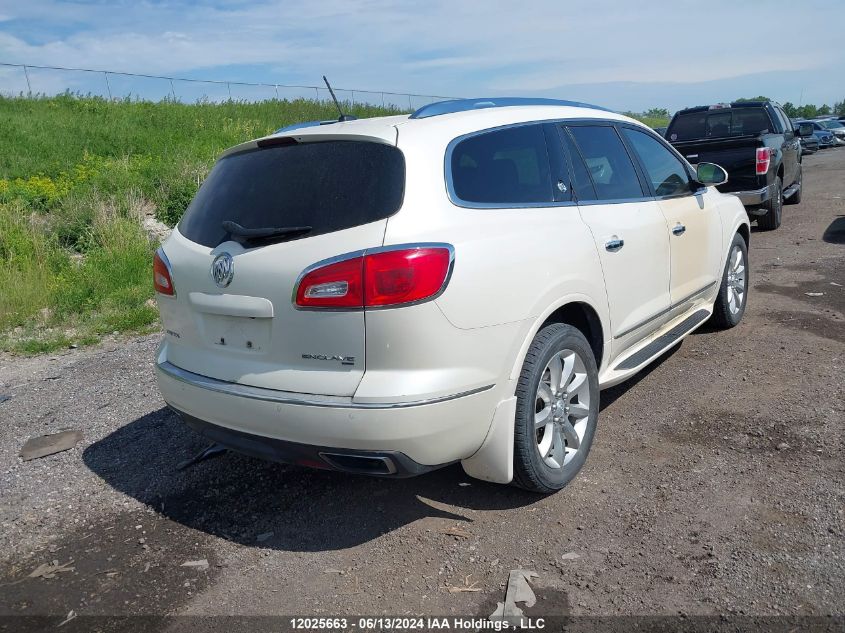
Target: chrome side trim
{"x":289,"y":397}
{"x":689,"y":297}
{"x":664,"y":341}
{"x":587,"y":203}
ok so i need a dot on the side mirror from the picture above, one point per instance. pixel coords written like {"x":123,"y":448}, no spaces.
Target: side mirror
{"x":710,"y":174}
{"x":805,"y":129}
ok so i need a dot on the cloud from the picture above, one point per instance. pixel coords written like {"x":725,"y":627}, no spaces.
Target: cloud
{"x":435,"y":46}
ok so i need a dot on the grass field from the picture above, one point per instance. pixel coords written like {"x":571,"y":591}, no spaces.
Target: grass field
{"x":651,"y":121}
{"x":78,"y":176}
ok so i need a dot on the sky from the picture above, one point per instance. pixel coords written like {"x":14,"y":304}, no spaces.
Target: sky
{"x":622,"y":55}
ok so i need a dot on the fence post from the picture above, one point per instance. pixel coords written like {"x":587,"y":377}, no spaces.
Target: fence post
{"x":108,"y":86}
{"x":28,"y":85}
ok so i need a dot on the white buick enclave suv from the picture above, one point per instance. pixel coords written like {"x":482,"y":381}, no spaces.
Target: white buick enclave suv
{"x":390,"y":295}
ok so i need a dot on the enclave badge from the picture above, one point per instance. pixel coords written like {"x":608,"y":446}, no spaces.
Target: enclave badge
{"x":222,"y":270}
{"x":344,"y":360}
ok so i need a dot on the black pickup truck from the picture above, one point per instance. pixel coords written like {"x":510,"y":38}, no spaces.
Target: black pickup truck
{"x":756,"y":144}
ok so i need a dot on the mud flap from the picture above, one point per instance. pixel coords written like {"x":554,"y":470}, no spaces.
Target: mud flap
{"x":494,"y":460}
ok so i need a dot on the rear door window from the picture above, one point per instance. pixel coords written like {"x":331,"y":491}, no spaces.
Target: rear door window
{"x":611,"y":170}
{"x":584,"y":189}
{"x":328,"y":186}
{"x":507,"y":166}
{"x":668,"y":175}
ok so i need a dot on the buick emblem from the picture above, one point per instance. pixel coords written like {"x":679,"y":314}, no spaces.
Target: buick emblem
{"x":222,"y":270}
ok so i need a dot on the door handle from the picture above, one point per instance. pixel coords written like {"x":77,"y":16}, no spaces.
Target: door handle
{"x":614,"y":245}
{"x":679,"y":229}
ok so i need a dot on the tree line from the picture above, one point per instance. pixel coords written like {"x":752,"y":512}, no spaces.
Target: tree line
{"x":793,"y":111}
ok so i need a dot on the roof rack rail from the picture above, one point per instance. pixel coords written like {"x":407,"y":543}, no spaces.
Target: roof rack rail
{"x":463,"y":105}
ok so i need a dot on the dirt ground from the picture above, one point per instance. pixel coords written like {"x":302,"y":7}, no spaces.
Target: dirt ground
{"x":714,"y":488}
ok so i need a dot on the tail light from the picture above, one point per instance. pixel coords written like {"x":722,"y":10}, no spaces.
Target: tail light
{"x":764,"y":157}
{"x":162,"y":279}
{"x":381,"y":278}
{"x":336,"y":285}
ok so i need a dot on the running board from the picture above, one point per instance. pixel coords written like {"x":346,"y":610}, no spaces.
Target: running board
{"x":664,"y":340}
{"x":791,"y":190}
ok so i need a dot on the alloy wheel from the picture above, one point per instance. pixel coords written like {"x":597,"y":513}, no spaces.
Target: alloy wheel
{"x":562,"y":408}
{"x":736,"y":280}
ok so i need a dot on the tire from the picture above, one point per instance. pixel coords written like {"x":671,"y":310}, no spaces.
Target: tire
{"x":564,"y":427}
{"x":771,"y":220}
{"x":795,"y":198}
{"x":733,"y":291}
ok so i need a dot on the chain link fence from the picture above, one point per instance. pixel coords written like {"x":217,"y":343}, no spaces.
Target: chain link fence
{"x":32,"y":80}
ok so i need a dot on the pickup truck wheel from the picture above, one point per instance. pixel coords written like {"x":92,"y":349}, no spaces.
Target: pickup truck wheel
{"x":771,"y":220}
{"x":557,"y":409}
{"x":795,"y":198}
{"x":733,"y":292}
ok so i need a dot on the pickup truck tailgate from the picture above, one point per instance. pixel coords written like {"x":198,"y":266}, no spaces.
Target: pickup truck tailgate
{"x":738,"y":155}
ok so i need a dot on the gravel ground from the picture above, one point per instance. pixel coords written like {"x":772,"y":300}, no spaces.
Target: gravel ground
{"x":714,"y":487}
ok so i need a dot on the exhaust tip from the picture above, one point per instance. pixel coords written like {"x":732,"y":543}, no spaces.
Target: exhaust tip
{"x":365,"y":464}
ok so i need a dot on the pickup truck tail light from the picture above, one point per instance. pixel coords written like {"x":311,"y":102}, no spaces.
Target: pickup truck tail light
{"x":376,"y":279}
{"x":764,"y":158}
{"x":162,"y":279}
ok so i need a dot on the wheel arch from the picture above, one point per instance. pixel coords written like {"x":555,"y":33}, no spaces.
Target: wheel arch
{"x":583,"y":317}
{"x":494,"y":459}
{"x":745,"y":231}
{"x":578,"y":311}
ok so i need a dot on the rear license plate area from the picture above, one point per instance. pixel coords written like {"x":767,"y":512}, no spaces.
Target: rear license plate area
{"x":245,"y":334}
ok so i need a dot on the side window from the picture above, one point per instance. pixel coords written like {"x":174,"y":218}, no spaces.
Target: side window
{"x":787,"y":124}
{"x":608,"y":163}
{"x":584,"y":189}
{"x":666,"y":172}
{"x":504,"y":166}
{"x":778,"y":121}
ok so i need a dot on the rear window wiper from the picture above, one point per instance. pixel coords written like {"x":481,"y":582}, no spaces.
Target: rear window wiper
{"x":264,"y":233}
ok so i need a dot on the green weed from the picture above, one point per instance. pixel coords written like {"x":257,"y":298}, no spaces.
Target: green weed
{"x":77,"y":177}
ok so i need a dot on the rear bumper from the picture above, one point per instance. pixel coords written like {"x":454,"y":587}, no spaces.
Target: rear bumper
{"x":376,"y":463}
{"x":754,"y":197}
{"x":294,"y":427}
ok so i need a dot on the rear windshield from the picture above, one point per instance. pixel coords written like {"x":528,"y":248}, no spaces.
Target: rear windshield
{"x":721,"y":123}
{"x":328,"y":186}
